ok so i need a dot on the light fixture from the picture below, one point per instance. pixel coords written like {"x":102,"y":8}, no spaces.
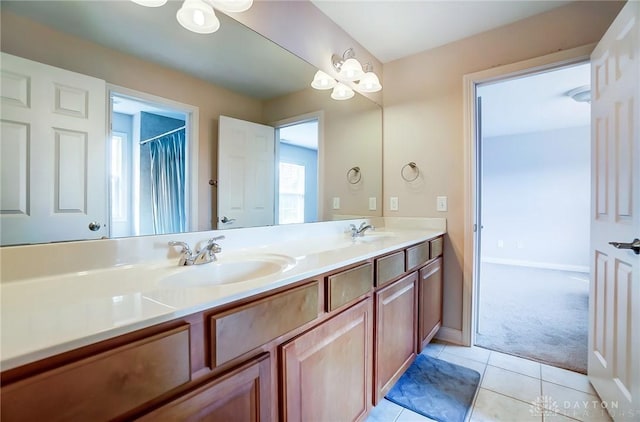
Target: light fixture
{"x":349,"y":70}
{"x":232,"y":5}
{"x":347,"y":66}
{"x":150,"y":3}
{"x":323,"y":81}
{"x":199,"y":15}
{"x":581,"y":94}
{"x":342,"y":92}
{"x":369,"y":81}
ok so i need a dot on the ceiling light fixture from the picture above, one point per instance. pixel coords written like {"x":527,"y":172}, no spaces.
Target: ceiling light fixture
{"x":369,"y":81}
{"x":150,"y":3}
{"x":349,"y":70}
{"x":323,"y":81}
{"x":199,"y":15}
{"x":581,"y":94}
{"x":342,"y":92}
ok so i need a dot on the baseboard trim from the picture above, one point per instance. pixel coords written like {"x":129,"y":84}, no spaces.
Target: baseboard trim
{"x":532,"y":264}
{"x":450,"y":335}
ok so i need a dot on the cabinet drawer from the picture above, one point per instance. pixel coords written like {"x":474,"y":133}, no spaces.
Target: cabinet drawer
{"x":389,"y":267}
{"x":348,"y":285}
{"x":436,"y":247}
{"x":103,"y":386}
{"x":243,"y":394}
{"x":243,"y":329}
{"x":417,"y":255}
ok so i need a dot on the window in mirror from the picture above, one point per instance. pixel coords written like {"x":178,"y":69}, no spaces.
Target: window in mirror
{"x":120,"y":181}
{"x":291,"y":198}
{"x":298,"y":178}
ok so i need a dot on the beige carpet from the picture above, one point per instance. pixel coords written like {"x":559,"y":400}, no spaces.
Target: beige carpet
{"x":535,"y":313}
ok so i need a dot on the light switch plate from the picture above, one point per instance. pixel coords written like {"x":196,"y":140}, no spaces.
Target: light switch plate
{"x":336,"y":202}
{"x":372,"y":203}
{"x":441,"y":203}
{"x":393,"y":203}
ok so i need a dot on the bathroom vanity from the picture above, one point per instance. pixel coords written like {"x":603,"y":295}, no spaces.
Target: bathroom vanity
{"x":323,"y":338}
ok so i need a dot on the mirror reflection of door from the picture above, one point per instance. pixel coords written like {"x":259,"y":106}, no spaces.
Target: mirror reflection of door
{"x":148,"y":168}
{"x":298,"y":172}
{"x":246,"y":174}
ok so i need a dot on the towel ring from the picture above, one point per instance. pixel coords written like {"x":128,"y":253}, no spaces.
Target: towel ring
{"x":354,"y":175}
{"x":413,"y":167}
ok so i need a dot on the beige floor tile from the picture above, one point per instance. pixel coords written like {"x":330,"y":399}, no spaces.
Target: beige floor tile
{"x":433,"y":349}
{"x":493,"y":407}
{"x":515,"y":364}
{"x":511,"y":384}
{"x":385,"y":411}
{"x":573,"y":403}
{"x":473,"y":352}
{"x":567,"y":378}
{"x":409,"y":416}
{"x":556,"y":417}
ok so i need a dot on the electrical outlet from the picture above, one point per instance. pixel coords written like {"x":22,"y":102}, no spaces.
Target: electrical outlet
{"x":372,"y":203}
{"x":336,"y":202}
{"x":393,"y":203}
{"x":501,"y":243}
{"x":441,"y":203}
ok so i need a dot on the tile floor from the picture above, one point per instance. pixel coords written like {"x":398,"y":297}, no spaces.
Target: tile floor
{"x":512,"y":390}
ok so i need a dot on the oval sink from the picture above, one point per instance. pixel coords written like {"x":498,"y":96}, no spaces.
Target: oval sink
{"x":228,"y":270}
{"x":373,"y":236}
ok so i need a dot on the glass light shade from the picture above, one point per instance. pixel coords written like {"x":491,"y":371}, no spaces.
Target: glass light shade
{"x":369,"y":83}
{"x":342,"y":92}
{"x":351,"y":70}
{"x":232,"y":5}
{"x":198,"y":16}
{"x":150,"y":3}
{"x":323,"y":81}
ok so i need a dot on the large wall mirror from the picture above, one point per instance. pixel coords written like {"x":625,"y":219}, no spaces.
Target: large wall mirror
{"x":162,"y":81}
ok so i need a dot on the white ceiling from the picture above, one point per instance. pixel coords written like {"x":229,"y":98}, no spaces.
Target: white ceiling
{"x":535,"y":103}
{"x":394,"y":29}
{"x":302,"y":134}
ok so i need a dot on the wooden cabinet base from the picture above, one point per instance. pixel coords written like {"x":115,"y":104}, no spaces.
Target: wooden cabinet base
{"x":241,"y":395}
{"x":327,"y":371}
{"x":395,"y":343}
{"x":430,"y":302}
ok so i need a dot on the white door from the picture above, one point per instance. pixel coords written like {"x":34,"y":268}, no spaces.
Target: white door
{"x":246,"y":174}
{"x":52,"y":154}
{"x":614,"y":310}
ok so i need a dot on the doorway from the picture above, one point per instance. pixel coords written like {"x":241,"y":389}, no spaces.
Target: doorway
{"x":533,"y":194}
{"x":297,"y":146}
{"x":150,"y":166}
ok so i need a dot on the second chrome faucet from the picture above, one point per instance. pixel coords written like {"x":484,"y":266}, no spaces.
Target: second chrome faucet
{"x":202,"y":256}
{"x":359,"y":231}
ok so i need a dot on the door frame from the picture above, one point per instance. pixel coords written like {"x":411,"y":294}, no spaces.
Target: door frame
{"x":471,"y":180}
{"x":192,"y":132}
{"x":302,"y":118}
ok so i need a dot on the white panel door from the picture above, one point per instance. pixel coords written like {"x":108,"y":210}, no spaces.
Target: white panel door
{"x":246,"y":174}
{"x":52,"y":154}
{"x":614,"y":310}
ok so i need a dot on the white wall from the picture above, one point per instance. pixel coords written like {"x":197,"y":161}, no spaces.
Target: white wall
{"x":536,"y":198}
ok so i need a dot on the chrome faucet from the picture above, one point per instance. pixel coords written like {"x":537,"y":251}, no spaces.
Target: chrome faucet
{"x":359,"y":231}
{"x":203,"y":256}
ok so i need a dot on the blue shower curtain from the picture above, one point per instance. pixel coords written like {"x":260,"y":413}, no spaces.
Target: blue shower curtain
{"x":168,"y":183}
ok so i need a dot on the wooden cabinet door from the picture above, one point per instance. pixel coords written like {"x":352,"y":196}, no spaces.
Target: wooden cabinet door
{"x":429,"y":302}
{"x":395,"y":335}
{"x":327,"y":371}
{"x":242,"y":395}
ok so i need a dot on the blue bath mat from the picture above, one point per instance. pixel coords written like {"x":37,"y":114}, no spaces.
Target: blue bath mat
{"x":436,"y":389}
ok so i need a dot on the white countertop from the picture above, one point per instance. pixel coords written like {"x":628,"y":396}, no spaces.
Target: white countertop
{"x":44,"y":316}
